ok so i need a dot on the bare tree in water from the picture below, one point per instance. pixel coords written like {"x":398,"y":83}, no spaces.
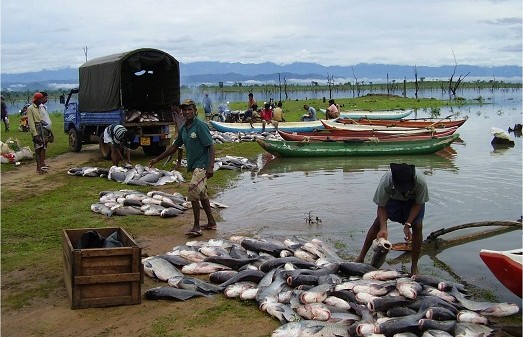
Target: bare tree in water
{"x":416,"y":85}
{"x":330,"y":83}
{"x":454,"y":86}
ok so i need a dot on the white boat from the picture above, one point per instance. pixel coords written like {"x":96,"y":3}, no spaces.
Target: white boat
{"x":258,"y":127}
{"x":368,"y":114}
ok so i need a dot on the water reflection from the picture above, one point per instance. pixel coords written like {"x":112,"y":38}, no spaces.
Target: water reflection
{"x":441,"y":160}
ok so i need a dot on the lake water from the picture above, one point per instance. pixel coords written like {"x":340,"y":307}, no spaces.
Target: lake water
{"x":470,"y":181}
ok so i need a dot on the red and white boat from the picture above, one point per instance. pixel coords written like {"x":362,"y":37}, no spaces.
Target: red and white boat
{"x":506,"y":266}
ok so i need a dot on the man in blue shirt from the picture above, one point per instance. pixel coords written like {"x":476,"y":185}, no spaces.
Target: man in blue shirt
{"x":401,"y":196}
{"x":199,"y":145}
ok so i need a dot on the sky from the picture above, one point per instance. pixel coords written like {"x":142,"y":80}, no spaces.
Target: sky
{"x":53,"y":34}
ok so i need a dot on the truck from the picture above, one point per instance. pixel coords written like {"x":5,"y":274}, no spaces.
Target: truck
{"x":134,"y":89}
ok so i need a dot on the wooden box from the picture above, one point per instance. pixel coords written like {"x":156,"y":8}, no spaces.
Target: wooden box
{"x":100,"y":277}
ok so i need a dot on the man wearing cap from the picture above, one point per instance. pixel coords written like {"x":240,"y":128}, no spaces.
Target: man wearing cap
{"x":199,"y":145}
{"x":5,"y":116}
{"x":119,"y":139}
{"x":401,"y":196}
{"x":39,"y":132}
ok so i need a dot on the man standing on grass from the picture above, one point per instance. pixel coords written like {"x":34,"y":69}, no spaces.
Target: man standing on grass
{"x":199,"y":145}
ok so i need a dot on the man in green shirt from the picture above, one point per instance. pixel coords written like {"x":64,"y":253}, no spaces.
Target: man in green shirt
{"x":199,"y":145}
{"x":401,"y":196}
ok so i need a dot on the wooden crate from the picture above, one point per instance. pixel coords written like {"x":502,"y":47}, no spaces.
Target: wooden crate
{"x":100,"y":277}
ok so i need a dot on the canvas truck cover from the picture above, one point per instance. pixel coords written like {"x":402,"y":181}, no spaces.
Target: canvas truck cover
{"x":139,"y":79}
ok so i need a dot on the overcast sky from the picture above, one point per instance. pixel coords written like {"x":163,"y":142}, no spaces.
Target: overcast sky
{"x":50,"y":34}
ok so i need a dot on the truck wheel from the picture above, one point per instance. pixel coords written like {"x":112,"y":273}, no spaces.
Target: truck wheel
{"x":75,"y":141}
{"x":153,"y":150}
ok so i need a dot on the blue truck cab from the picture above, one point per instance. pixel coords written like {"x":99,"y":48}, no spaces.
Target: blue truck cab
{"x":134,"y":89}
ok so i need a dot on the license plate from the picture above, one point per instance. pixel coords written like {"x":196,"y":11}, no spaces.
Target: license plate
{"x":145,"y":141}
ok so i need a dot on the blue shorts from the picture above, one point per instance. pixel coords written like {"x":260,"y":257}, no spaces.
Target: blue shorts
{"x":398,"y":211}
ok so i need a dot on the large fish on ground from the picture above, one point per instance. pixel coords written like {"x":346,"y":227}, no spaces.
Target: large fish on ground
{"x":486,"y":308}
{"x":193,"y":283}
{"x":171,"y":293}
{"x":380,"y":248}
{"x":311,"y":328}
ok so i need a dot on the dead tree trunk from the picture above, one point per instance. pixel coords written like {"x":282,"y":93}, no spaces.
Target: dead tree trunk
{"x":453,"y":87}
{"x":416,"y":85}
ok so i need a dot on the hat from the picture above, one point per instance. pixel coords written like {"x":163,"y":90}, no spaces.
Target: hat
{"x":403,"y":176}
{"x":188,"y":102}
{"x":37,"y":96}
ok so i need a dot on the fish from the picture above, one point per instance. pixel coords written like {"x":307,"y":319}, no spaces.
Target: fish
{"x":328,"y":251}
{"x":468,"y":316}
{"x":274,"y":263}
{"x":486,"y":308}
{"x":171,"y":293}
{"x":244,"y":275}
{"x":380,"y":248}
{"x":261,"y":246}
{"x":273,"y":289}
{"x":408,"y":287}
{"x":236,"y":289}
{"x":399,"y":311}
{"x":387,"y":302}
{"x":337,"y":302}
{"x":193,"y":283}
{"x":373,"y":289}
{"x":382,"y":275}
{"x":471,"y":330}
{"x":237,"y":252}
{"x":313,"y":311}
{"x":303,"y":279}
{"x":170,"y":212}
{"x":229,"y":261}
{"x":435,"y":333}
{"x":284,"y":313}
{"x":249,"y":294}
{"x":176,"y":260}
{"x":428,"y":290}
{"x":399,"y":324}
{"x":305,"y":255}
{"x":317,"y":294}
{"x":163,"y":269}
{"x":310,"y":328}
{"x":215,"y":251}
{"x":221,"y":276}
{"x":429,"y":324}
{"x":202,"y":268}
{"x":354,"y":268}
{"x":128,"y":210}
{"x":440,"y":314}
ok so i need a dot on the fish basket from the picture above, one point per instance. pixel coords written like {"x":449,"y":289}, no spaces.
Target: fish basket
{"x":101,"y":277}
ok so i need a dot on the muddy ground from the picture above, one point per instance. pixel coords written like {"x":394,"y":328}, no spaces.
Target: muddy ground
{"x":53,"y":316}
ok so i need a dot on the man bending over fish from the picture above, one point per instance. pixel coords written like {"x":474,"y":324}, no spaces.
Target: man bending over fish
{"x":401,"y":196}
{"x":195,"y":135}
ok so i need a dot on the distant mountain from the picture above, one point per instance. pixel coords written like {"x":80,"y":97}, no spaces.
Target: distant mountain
{"x":212,"y":73}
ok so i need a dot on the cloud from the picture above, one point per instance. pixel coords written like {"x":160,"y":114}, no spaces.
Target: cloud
{"x":329,"y":32}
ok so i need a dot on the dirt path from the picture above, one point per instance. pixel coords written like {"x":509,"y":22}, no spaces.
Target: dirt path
{"x":52,"y":316}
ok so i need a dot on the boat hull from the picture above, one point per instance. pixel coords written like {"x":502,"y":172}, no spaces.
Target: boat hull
{"x":258,"y":127}
{"x":506,"y":266}
{"x":288,"y":149}
{"x":388,"y":114}
{"x":363,"y":135}
{"x":415,"y":123}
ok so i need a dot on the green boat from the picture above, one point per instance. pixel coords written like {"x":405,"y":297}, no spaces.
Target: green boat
{"x":286,"y":149}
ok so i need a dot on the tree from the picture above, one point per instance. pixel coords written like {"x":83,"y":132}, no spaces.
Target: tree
{"x":453,"y":86}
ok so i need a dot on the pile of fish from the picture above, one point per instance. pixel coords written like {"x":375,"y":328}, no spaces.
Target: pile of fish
{"x":139,"y":116}
{"x":138,"y":175}
{"x":130,"y":202}
{"x":234,"y":163}
{"x":314,"y":292}
{"x":237,"y":137}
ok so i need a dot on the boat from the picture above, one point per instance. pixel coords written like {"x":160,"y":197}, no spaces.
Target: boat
{"x":506,"y":266}
{"x":283,"y":148}
{"x":369,"y":114}
{"x":332,"y":125}
{"x":364,"y":135}
{"x":258,"y":127}
{"x":416,"y":123}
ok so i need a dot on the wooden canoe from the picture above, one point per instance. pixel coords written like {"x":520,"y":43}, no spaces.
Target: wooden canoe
{"x":371,"y":129}
{"x":415,"y":123}
{"x":283,"y":148}
{"x":385,"y":114}
{"x":258,"y":127}
{"x":341,"y":135}
{"x":506,"y":266}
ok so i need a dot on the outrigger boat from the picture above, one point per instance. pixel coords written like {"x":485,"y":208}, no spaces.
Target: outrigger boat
{"x":282,"y":148}
{"x":335,"y":135}
{"x":415,"y":123}
{"x":385,"y":114}
{"x":506,"y":266}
